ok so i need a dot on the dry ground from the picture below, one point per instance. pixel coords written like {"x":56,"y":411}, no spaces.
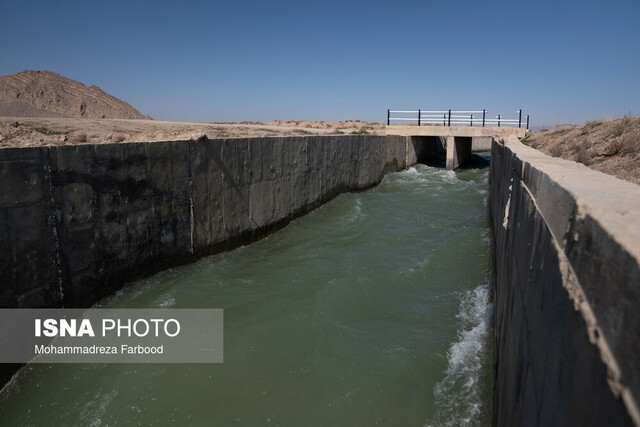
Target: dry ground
{"x":32,"y":131}
{"x":609,"y":146}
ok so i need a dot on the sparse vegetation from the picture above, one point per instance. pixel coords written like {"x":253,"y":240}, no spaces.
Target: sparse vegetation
{"x":59,"y":131}
{"x":608,"y":145}
{"x":526,"y":140}
{"x":44,"y":130}
{"x":269,"y":131}
{"x":593,"y":123}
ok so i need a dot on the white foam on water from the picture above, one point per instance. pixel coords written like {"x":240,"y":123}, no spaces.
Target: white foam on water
{"x":411,"y":175}
{"x":97,"y":408}
{"x":412,"y":171}
{"x":458,"y":396}
{"x":165,"y":301}
{"x":357,"y":213}
{"x":450,"y":176}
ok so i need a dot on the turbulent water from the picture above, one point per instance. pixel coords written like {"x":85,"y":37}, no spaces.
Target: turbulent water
{"x":373,"y":309}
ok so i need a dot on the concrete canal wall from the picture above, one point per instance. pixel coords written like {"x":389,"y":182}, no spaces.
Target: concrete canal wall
{"x":567,"y":289}
{"x":76,"y":222}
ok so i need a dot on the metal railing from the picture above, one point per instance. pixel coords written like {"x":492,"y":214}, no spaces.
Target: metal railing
{"x":454,"y":118}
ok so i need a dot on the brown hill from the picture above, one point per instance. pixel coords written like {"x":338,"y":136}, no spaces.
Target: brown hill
{"x":610,"y":146}
{"x":47,"y":94}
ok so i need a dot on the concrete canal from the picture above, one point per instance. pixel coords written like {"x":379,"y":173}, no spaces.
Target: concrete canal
{"x":372,"y":309}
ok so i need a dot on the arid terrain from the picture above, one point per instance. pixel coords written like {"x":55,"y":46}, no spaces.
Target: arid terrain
{"x":609,"y":146}
{"x":29,"y":132}
{"x":44,"y":108}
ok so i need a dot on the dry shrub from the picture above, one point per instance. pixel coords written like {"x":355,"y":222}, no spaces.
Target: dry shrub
{"x":81,"y":137}
{"x":573,"y":145}
{"x":613,"y":147}
{"x":593,"y":123}
{"x":556,"y":150}
{"x":582,"y":156}
{"x":630,"y":143}
{"x":544,"y":130}
{"x":620,"y":126}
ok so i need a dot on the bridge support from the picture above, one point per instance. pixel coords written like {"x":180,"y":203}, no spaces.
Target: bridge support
{"x":458,"y":151}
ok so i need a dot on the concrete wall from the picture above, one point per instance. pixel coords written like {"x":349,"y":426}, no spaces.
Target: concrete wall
{"x":481,"y":143}
{"x":567,"y":291}
{"x":76,"y":222}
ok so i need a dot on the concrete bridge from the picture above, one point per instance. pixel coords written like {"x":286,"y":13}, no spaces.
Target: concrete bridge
{"x":452,"y":133}
{"x":455,"y":141}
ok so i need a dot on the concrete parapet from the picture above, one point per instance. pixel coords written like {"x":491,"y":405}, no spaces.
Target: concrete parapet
{"x":567,"y":291}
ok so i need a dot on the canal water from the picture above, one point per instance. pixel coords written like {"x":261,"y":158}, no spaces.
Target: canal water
{"x":373,"y":309}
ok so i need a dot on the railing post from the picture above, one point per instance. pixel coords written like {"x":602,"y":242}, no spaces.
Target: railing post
{"x":388,"y":117}
{"x":484,"y":113}
{"x":520,"y":117}
{"x":449,"y":123}
{"x":498,"y":120}
{"x":444,"y":119}
{"x":419,"y":113}
{"x":527,"y":122}
{"x":472,"y":120}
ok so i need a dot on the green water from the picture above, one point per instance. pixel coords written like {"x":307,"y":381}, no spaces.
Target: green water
{"x":373,"y":309}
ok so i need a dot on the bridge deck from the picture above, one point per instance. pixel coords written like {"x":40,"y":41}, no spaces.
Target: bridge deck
{"x":460,"y":131}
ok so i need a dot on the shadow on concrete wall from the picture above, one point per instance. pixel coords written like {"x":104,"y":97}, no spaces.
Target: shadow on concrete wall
{"x":430,"y":150}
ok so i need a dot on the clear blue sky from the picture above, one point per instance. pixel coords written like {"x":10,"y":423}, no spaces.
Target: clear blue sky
{"x":561,"y":61}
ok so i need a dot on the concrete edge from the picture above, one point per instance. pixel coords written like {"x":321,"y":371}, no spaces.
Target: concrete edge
{"x":611,"y":201}
{"x":577,"y":203}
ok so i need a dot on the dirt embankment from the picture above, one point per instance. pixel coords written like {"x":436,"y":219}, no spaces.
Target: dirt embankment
{"x":29,"y":132}
{"x":609,"y":146}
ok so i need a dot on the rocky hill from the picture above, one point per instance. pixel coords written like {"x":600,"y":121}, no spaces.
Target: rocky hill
{"x":47,"y":94}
